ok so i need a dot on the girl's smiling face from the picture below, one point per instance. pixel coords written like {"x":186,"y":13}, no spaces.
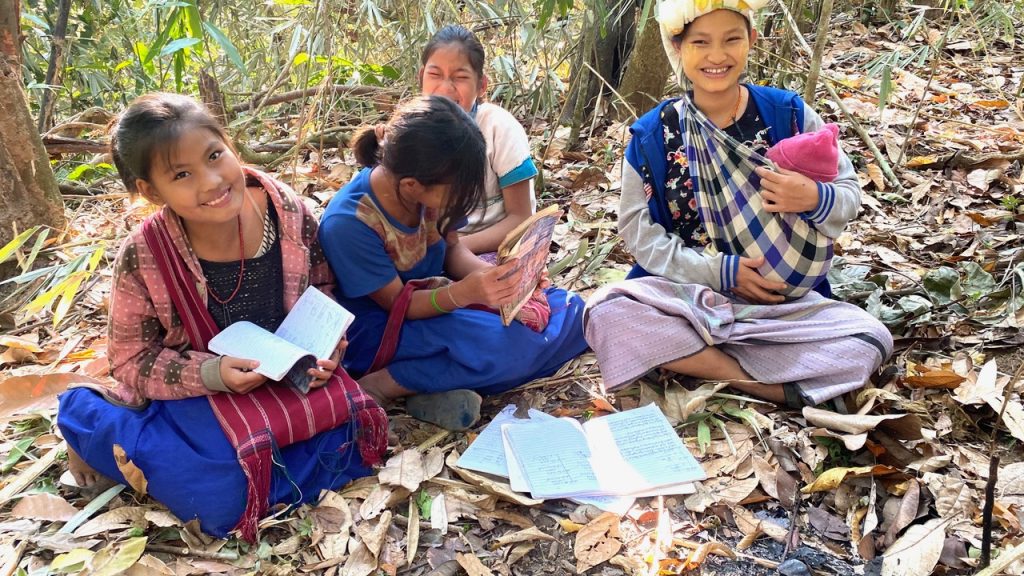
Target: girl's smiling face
{"x":199,"y":177}
{"x":448,"y":72}
{"x":714,"y":50}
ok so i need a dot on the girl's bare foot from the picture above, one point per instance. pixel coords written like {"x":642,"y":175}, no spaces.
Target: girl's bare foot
{"x":85,"y":476}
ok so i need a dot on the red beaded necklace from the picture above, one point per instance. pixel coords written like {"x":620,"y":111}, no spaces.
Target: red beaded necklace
{"x":241,"y":268}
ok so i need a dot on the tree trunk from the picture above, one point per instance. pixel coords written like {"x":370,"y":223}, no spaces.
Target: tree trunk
{"x":55,"y":68}
{"x":605,"y":55}
{"x":647,"y":70}
{"x":29,"y":195}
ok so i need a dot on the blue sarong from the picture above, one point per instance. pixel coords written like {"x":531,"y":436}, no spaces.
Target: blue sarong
{"x":188,"y":462}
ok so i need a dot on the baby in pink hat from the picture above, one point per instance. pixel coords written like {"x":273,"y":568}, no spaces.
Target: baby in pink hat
{"x":813,"y":154}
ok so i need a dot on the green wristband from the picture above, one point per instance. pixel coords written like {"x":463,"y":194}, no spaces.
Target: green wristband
{"x":433,"y":302}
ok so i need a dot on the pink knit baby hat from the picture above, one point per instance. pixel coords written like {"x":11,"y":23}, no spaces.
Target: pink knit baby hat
{"x":813,"y":154}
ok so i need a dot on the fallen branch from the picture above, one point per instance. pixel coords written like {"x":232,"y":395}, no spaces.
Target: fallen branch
{"x":297,"y":94}
{"x":993,"y":476}
{"x":56,"y":145}
{"x":190,"y":552}
{"x":74,"y":189}
{"x":961,"y":160}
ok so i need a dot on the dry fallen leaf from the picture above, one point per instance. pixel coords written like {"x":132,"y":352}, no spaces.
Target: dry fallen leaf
{"x":831,"y":478}
{"x":906,"y":513}
{"x":404,"y":469}
{"x":472,"y":565}
{"x":21,"y":394}
{"x":748,"y":523}
{"x":765,"y":474}
{"x":132,"y":474}
{"x":876,"y":176}
{"x":916,"y":552}
{"x":360,"y":563}
{"x":373,"y":537}
{"x":48,"y":507}
{"x":597,"y":542}
{"x":527,"y":535}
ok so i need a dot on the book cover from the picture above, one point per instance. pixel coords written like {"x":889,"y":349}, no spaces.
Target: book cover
{"x":530,"y":243}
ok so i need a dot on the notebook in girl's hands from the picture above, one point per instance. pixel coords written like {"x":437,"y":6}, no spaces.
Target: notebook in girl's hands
{"x":310,"y":332}
{"x":530,"y":243}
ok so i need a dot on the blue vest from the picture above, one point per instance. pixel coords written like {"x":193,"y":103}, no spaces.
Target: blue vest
{"x":783,"y":115}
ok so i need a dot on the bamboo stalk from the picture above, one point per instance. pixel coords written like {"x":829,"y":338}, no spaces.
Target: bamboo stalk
{"x":819,"y":50}
{"x":883,"y":164}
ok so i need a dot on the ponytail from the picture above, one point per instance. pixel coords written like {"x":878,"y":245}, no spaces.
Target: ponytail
{"x":366,"y":147}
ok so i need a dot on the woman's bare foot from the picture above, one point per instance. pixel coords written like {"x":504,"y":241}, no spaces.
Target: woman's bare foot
{"x":85,"y":476}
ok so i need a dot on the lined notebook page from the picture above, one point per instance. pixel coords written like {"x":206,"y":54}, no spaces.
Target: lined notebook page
{"x":554,"y":457}
{"x":639,"y":451}
{"x":487,"y":452}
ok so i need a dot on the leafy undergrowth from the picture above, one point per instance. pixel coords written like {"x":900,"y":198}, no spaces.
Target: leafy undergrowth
{"x":895,"y":487}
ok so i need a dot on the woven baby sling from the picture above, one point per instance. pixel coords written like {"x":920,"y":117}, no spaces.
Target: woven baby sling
{"x":727,"y":191}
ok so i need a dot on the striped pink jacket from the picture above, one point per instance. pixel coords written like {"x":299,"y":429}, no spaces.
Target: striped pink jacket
{"x":148,"y":349}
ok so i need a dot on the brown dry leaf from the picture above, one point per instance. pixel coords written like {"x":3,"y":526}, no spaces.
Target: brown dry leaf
{"x":359,"y":489}
{"x":21,"y":394}
{"x":785,"y":485}
{"x":412,"y":540}
{"x":116,"y":519}
{"x":597,"y":542}
{"x":512,"y":518}
{"x":433,"y":463}
{"x":472,"y":565}
{"x":679,"y":402}
{"x":997,"y":104}
{"x":117,"y":557}
{"x":735,"y":491}
{"x":404,"y":469}
{"x":876,"y":176}
{"x":1013,"y":416}
{"x":946,"y":379}
{"x":518,"y":552}
{"x":831,"y":478}
{"x":697,"y":557}
{"x":629,"y":565}
{"x":748,"y":523}
{"x":162,"y":518}
{"x":380,"y":498}
{"x":20,"y":343}
{"x":952,"y":495}
{"x":916,"y":552}
{"x":459,"y":503}
{"x":360,"y":563}
{"x":569,"y":526}
{"x":527,"y":535}
{"x":906,"y":513}
{"x":373,"y":538}
{"x":985,"y":385}
{"x":1011,"y":480}
{"x":149,"y":566}
{"x":908,"y":425}
{"x":852,"y":442}
{"x":132,"y":474}
{"x":830,"y":525}
{"x":47,"y":507}
{"x":765,"y":474}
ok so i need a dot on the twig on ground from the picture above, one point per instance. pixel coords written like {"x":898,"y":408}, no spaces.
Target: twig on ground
{"x":11,"y":566}
{"x":191,"y":552}
{"x":993,"y":475}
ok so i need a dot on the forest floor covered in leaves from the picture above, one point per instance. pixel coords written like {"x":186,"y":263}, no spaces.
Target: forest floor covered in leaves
{"x":894,"y":487}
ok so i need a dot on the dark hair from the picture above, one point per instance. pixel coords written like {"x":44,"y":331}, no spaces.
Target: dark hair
{"x":454,"y":34}
{"x":152,"y":124}
{"x":678,"y":38}
{"x":433,"y":140}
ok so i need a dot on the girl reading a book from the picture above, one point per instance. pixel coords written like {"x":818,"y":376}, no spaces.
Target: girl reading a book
{"x":213,"y":439}
{"x":425,"y":324}
{"x":452,"y":65}
{"x":724,"y":237}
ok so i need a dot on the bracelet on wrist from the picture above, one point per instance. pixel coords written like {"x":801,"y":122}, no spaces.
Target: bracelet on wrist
{"x":452,"y":296}
{"x":433,"y":302}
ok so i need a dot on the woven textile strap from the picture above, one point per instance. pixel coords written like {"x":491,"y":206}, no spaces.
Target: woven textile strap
{"x":729,"y":201}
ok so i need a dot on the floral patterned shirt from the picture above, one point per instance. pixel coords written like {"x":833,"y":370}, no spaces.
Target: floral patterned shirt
{"x":749,"y":129}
